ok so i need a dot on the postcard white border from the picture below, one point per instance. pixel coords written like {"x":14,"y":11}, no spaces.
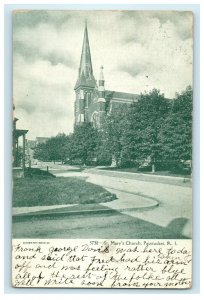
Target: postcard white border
{"x":7,"y":126}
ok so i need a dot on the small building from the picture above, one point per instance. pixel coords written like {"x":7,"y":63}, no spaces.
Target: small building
{"x":41,"y":139}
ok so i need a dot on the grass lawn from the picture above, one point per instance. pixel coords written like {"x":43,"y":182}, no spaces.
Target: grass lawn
{"x":56,"y":191}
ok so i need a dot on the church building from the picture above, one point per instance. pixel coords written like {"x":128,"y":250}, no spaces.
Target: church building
{"x":93,"y":101}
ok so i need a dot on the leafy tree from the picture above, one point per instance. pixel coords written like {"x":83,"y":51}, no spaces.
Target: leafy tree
{"x":56,"y":147}
{"x":103,"y":155}
{"x":144,"y":120}
{"x":41,"y":152}
{"x":53,"y":149}
{"x":176,"y":132}
{"x":66,"y":150}
{"x":83,"y":143}
{"x":112,"y":133}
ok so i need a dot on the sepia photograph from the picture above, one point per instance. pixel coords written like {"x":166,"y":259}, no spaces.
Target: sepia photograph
{"x":102,"y":124}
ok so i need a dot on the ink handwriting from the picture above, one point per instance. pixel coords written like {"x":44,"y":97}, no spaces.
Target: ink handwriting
{"x":110,"y":263}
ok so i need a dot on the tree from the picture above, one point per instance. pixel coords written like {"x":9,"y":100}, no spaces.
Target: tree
{"x":176,"y":132}
{"x":66,"y":150}
{"x":112,"y":133}
{"x":53,"y":149}
{"x":41,"y":152}
{"x":144,"y":120}
{"x":83,"y":143}
{"x":103,"y":155}
{"x":56,"y":147}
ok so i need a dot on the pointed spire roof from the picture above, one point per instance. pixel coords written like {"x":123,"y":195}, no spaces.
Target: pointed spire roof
{"x":85,"y":63}
{"x":85,"y":77}
{"x":101,"y":76}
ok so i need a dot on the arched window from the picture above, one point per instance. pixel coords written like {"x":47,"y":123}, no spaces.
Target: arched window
{"x":77,"y":105}
{"x":87,"y":100}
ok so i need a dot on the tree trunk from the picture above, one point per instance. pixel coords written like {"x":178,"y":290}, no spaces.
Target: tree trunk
{"x":114,"y":161}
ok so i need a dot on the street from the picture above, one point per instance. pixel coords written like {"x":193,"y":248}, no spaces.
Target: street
{"x":143,"y":209}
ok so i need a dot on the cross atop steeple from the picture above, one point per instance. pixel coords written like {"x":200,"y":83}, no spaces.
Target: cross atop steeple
{"x":85,"y":77}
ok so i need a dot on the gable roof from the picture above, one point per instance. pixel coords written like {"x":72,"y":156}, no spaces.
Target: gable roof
{"x":121,"y":95}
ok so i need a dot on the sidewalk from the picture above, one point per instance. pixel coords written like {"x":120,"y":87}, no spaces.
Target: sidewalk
{"x":124,"y":202}
{"x":150,"y":177}
{"x":31,"y":209}
{"x":130,"y":202}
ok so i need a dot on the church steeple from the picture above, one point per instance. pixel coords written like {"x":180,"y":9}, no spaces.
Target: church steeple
{"x":85,"y":77}
{"x":101,"y":88}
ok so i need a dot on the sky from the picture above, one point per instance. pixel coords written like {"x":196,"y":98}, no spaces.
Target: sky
{"x":139,"y":50}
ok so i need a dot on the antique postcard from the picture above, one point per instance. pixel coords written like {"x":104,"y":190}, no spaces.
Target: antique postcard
{"x":102,"y":149}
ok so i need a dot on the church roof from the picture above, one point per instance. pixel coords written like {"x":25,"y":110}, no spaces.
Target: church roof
{"x":121,"y":95}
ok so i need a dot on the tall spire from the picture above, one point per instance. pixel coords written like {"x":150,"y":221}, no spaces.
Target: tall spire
{"x":85,"y":77}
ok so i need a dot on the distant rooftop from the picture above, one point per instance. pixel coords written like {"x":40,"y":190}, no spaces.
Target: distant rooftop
{"x":41,"y":139}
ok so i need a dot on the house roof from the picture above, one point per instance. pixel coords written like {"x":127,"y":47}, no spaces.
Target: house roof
{"x":19,"y":132}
